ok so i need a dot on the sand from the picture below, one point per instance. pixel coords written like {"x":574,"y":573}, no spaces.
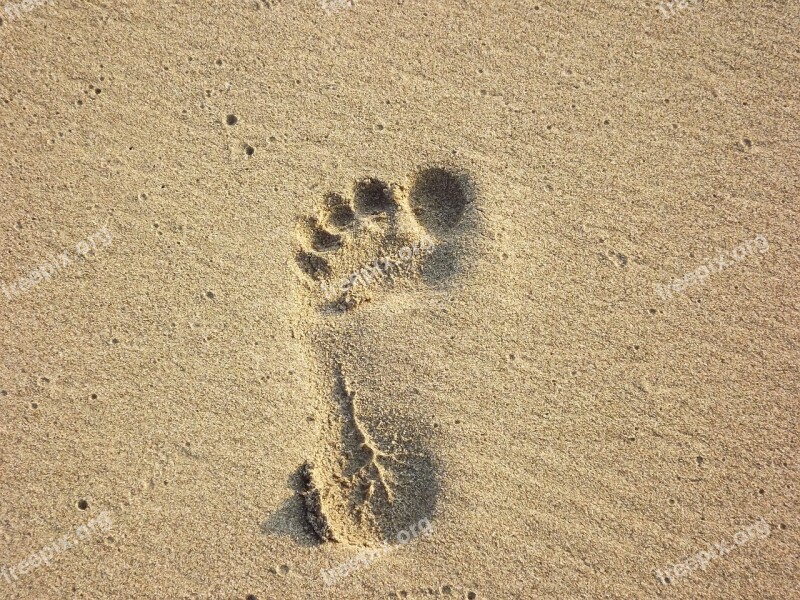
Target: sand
{"x":451,"y":299}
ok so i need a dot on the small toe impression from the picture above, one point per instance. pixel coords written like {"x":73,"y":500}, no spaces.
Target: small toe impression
{"x":439,"y":198}
{"x":321,"y":239}
{"x":373,"y":196}
{"x":325,"y":241}
{"x":340,"y":212}
{"x":313,"y":265}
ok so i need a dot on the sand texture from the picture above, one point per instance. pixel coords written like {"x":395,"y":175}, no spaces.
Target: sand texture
{"x":317,"y":299}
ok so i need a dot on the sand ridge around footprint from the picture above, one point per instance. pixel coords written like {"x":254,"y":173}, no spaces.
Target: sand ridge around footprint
{"x":372,"y":473}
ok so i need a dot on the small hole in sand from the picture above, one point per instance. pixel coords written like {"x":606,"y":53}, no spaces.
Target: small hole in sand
{"x":249,"y":150}
{"x":210,"y":295}
{"x":93,"y":396}
{"x":83,"y":504}
{"x":231,"y":119}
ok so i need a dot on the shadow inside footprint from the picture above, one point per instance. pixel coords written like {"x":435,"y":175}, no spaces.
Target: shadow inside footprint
{"x":417,"y":488}
{"x":372,"y":196}
{"x":439,"y":199}
{"x":340,"y":213}
{"x":325,"y":241}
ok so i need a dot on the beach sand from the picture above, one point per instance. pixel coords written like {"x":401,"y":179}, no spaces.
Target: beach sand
{"x":403,"y":299}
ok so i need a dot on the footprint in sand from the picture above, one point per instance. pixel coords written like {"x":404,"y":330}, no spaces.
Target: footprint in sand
{"x":373,"y":473}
